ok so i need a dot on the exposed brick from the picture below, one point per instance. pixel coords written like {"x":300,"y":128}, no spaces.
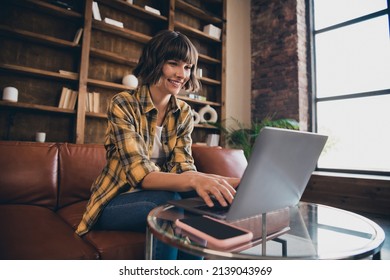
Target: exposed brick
{"x":279,"y":58}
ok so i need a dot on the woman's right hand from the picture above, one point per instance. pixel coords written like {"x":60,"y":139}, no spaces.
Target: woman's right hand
{"x":210,"y":185}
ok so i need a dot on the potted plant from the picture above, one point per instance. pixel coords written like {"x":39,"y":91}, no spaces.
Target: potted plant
{"x":243,"y":137}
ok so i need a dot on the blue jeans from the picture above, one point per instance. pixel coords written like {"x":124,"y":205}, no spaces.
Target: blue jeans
{"x":129,"y":211}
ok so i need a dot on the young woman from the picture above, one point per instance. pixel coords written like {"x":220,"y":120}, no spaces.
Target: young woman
{"x":148,"y":144}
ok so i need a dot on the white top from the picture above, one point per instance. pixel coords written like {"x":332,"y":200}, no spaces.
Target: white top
{"x":157,"y":150}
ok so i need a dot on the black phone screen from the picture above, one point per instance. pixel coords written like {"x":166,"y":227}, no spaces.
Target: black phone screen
{"x":213,"y":228}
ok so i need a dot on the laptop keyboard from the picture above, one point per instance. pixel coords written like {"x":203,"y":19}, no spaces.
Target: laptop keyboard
{"x":217,"y":208}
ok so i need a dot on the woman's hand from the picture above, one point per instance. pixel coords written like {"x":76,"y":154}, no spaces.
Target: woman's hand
{"x":207,"y":185}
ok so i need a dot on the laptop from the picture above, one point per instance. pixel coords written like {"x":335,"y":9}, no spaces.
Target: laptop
{"x":278,"y":171}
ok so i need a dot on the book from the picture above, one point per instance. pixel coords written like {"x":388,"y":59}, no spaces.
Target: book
{"x":77,"y":36}
{"x":96,"y":11}
{"x":152,"y":10}
{"x":212,"y":31}
{"x":197,"y":97}
{"x":113,"y":22}
{"x":72,"y":99}
{"x":62,"y":98}
{"x":96,"y":102}
{"x":68,"y":73}
{"x":68,"y":95}
{"x":89,"y":102}
{"x":212,"y":140}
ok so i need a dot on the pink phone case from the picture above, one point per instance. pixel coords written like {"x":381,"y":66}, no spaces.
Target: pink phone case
{"x":213,"y":242}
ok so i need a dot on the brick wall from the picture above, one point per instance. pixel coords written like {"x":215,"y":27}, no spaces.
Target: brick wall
{"x":279,"y":68}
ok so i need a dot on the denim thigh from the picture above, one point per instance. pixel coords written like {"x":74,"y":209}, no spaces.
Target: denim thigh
{"x":129,"y":211}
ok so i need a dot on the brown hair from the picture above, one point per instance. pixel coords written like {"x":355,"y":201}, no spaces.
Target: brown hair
{"x":166,"y":45}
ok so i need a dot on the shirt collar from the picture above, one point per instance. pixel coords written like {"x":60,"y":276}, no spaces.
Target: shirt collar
{"x":143,"y":95}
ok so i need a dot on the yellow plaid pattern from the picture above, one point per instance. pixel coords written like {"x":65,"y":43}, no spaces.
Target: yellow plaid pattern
{"x":132,"y":119}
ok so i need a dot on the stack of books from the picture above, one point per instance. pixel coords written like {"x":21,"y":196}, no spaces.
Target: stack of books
{"x":197,"y":97}
{"x":93,"y":102}
{"x":68,"y":99}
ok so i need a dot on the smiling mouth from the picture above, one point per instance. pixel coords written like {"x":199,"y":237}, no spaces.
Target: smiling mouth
{"x":175,"y":83}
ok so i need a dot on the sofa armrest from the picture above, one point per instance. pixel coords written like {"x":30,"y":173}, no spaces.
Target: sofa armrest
{"x":220,"y":161}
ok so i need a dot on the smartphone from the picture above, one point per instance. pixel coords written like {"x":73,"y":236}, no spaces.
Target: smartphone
{"x":217,"y":233}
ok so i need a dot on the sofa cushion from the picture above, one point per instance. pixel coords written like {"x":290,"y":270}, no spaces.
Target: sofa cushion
{"x":118,"y":245}
{"x":220,"y":161}
{"x":28,"y":173}
{"x":110,"y":244}
{"x":73,"y":213}
{"x":33,"y":232}
{"x":80,"y":164}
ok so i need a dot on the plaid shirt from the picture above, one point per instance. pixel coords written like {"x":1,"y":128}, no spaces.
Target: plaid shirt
{"x":132,"y":121}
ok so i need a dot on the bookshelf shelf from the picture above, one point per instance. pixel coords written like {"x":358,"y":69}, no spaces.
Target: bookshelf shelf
{"x":36,"y":37}
{"x":122,"y":32}
{"x":209,"y":59}
{"x":50,"y":8}
{"x":200,"y":102}
{"x":195,"y":32}
{"x":36,"y":72}
{"x":198,"y":12}
{"x":205,"y":126}
{"x":96,"y":115}
{"x":29,"y":106}
{"x":108,"y":85}
{"x":135,"y":10}
{"x":113,"y":57}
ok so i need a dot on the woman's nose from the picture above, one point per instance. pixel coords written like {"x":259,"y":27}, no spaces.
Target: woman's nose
{"x":180,"y":72}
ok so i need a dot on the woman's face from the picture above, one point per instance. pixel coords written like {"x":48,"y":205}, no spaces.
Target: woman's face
{"x":175,"y":73}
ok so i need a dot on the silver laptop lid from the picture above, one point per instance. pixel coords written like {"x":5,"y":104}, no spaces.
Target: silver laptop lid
{"x":278,"y":171}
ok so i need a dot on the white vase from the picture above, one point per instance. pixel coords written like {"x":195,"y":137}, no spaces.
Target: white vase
{"x":208,"y":114}
{"x":130,"y":81}
{"x":196,"y":116}
{"x":10,"y":94}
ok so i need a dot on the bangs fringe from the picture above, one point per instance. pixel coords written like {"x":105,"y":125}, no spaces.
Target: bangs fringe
{"x":179,"y":49}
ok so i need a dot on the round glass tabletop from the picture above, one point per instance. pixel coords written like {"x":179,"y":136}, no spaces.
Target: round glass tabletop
{"x":306,"y":231}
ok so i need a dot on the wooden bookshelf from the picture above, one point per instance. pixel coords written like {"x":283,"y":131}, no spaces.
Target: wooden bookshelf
{"x":38,"y":42}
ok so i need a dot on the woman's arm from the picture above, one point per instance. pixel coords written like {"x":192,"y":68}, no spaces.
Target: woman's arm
{"x":181,"y":175}
{"x":222,"y":188}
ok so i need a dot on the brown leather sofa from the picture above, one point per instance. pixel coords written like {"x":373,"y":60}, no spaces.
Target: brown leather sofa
{"x":44,"y":188}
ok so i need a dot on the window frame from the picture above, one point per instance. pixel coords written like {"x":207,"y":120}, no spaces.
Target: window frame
{"x":315,"y":100}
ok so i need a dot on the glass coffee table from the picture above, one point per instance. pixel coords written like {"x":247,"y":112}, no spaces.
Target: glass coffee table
{"x":305,"y":231}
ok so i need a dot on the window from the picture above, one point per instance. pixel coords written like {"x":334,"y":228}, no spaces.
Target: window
{"x":351,"y":62}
